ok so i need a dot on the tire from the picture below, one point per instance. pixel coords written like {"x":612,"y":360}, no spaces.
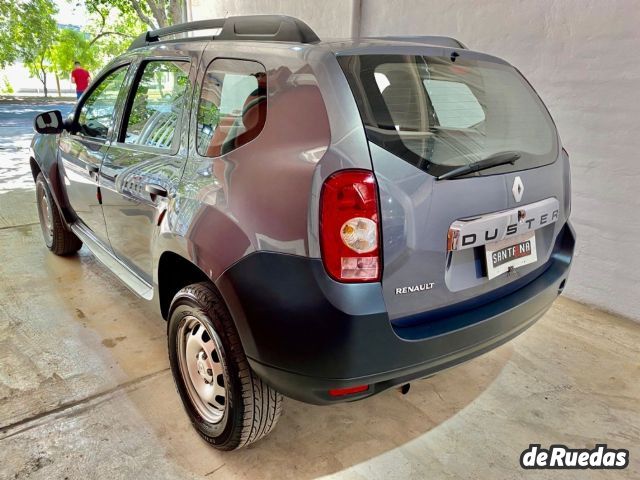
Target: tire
{"x":57,"y":237}
{"x":227,"y":403}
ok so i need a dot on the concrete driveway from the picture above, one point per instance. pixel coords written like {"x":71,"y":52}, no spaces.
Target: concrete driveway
{"x":86,"y":392}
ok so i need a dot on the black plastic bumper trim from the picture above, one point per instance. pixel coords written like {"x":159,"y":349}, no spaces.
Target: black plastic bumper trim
{"x":305,"y":333}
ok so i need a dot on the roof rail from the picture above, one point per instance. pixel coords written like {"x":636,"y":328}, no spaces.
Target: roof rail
{"x":273,"y":28}
{"x":430,"y":39}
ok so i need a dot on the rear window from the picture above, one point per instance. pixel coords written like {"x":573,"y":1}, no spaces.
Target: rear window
{"x":440,"y":113}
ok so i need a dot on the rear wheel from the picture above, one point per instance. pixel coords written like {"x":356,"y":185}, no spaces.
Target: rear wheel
{"x":228,"y":404}
{"x":56,"y":236}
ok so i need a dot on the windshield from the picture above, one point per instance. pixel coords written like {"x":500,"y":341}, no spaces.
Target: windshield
{"x":441,"y":113}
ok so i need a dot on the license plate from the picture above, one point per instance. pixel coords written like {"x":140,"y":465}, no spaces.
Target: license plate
{"x":509,"y":254}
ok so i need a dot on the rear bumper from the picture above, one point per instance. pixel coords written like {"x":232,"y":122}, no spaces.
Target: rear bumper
{"x":305,"y":334}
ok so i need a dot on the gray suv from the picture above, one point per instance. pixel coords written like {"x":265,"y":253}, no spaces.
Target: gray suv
{"x":318,"y":219}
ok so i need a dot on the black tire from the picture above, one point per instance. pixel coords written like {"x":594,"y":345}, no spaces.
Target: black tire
{"x":251,"y":407}
{"x":57,"y":237}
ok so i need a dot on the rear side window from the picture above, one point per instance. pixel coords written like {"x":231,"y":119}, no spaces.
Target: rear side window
{"x":157,"y":104}
{"x":96,"y":114}
{"x":233,"y":106}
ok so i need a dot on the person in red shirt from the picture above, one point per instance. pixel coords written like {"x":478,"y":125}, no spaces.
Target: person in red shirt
{"x":80,"y":77}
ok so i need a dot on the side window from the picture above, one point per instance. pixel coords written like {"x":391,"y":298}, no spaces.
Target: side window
{"x":96,"y":114}
{"x":157,"y":104}
{"x":233,"y":106}
{"x":455,"y":105}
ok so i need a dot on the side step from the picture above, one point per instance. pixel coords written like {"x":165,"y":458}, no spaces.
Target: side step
{"x":136,"y":284}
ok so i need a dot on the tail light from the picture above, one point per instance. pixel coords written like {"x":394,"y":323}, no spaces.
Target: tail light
{"x":349,"y":226}
{"x":339,"y":392}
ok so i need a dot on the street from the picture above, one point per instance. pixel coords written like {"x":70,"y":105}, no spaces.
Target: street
{"x":86,"y":391}
{"x":16,"y":131}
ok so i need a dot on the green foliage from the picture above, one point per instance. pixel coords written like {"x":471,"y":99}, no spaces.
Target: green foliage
{"x":8,"y":52}
{"x":112,"y":32}
{"x":29,"y":32}
{"x":72,"y":45}
{"x":34,"y":31}
{"x":6,"y":85}
{"x":208,"y":113}
{"x":153,"y":13}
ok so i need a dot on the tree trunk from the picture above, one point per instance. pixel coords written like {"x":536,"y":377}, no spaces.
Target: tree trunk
{"x":58,"y":85}
{"x":44,"y":77}
{"x":159,"y":13}
{"x":177,"y":11}
{"x":138,"y":9}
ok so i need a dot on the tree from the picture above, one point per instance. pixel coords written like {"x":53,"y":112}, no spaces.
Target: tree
{"x":8,"y":52}
{"x":71,"y":46}
{"x":111,"y":32}
{"x":153,"y":13}
{"x":33,"y":31}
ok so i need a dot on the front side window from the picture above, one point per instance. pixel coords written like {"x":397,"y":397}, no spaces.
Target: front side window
{"x":440,"y":114}
{"x":96,"y":114}
{"x":233,"y":106}
{"x":157,"y":104}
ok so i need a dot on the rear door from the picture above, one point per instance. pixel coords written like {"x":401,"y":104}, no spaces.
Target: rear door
{"x":82,"y":151}
{"x":430,"y":112}
{"x":142,"y":168}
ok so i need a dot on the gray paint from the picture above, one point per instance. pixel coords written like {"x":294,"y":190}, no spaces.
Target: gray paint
{"x":417,"y":211}
{"x":263,"y":196}
{"x":582,"y":57}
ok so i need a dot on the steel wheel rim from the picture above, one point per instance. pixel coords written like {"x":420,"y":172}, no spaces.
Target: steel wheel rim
{"x":46,"y":216}
{"x":201,"y":357}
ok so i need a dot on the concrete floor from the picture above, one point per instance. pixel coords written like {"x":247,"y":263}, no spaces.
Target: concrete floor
{"x":86,"y":392}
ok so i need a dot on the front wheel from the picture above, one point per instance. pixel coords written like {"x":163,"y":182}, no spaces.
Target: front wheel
{"x":57,"y":237}
{"x":227,"y":403}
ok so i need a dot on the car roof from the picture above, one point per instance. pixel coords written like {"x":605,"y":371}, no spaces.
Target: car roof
{"x":340,"y":44}
{"x":274,"y":29}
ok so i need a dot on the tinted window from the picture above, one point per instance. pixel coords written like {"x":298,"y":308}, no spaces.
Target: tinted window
{"x":454,"y":103}
{"x":439,"y":114}
{"x":233,"y":106}
{"x":96,"y":115}
{"x":157,"y":104}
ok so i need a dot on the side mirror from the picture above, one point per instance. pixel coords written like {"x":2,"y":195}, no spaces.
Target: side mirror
{"x":49,"y":123}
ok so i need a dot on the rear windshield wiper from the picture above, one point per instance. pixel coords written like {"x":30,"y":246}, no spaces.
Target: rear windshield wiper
{"x":494,"y":160}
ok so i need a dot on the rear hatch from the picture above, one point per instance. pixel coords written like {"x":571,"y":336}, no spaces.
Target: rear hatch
{"x":466,"y":239}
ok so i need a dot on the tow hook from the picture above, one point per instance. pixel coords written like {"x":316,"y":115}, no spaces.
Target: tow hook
{"x":404,"y":389}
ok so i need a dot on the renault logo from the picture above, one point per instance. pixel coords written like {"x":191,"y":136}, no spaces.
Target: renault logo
{"x":518,"y":189}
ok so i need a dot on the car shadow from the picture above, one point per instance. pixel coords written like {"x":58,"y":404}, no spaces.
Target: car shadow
{"x":309,"y":441}
{"x":312,"y":441}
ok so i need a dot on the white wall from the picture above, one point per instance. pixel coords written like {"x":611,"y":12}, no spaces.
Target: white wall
{"x":328,"y":18}
{"x":583,"y":58}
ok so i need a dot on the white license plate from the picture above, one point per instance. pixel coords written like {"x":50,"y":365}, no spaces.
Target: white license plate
{"x":510,"y":253}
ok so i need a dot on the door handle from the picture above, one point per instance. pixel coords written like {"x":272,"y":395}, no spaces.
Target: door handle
{"x":155,"y":190}
{"x":92,"y":168}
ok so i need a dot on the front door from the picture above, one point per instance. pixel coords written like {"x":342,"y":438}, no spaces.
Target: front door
{"x":141,"y":169}
{"x":82,"y":151}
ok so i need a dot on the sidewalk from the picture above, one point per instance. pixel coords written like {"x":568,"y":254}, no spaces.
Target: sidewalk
{"x":34,"y":100}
